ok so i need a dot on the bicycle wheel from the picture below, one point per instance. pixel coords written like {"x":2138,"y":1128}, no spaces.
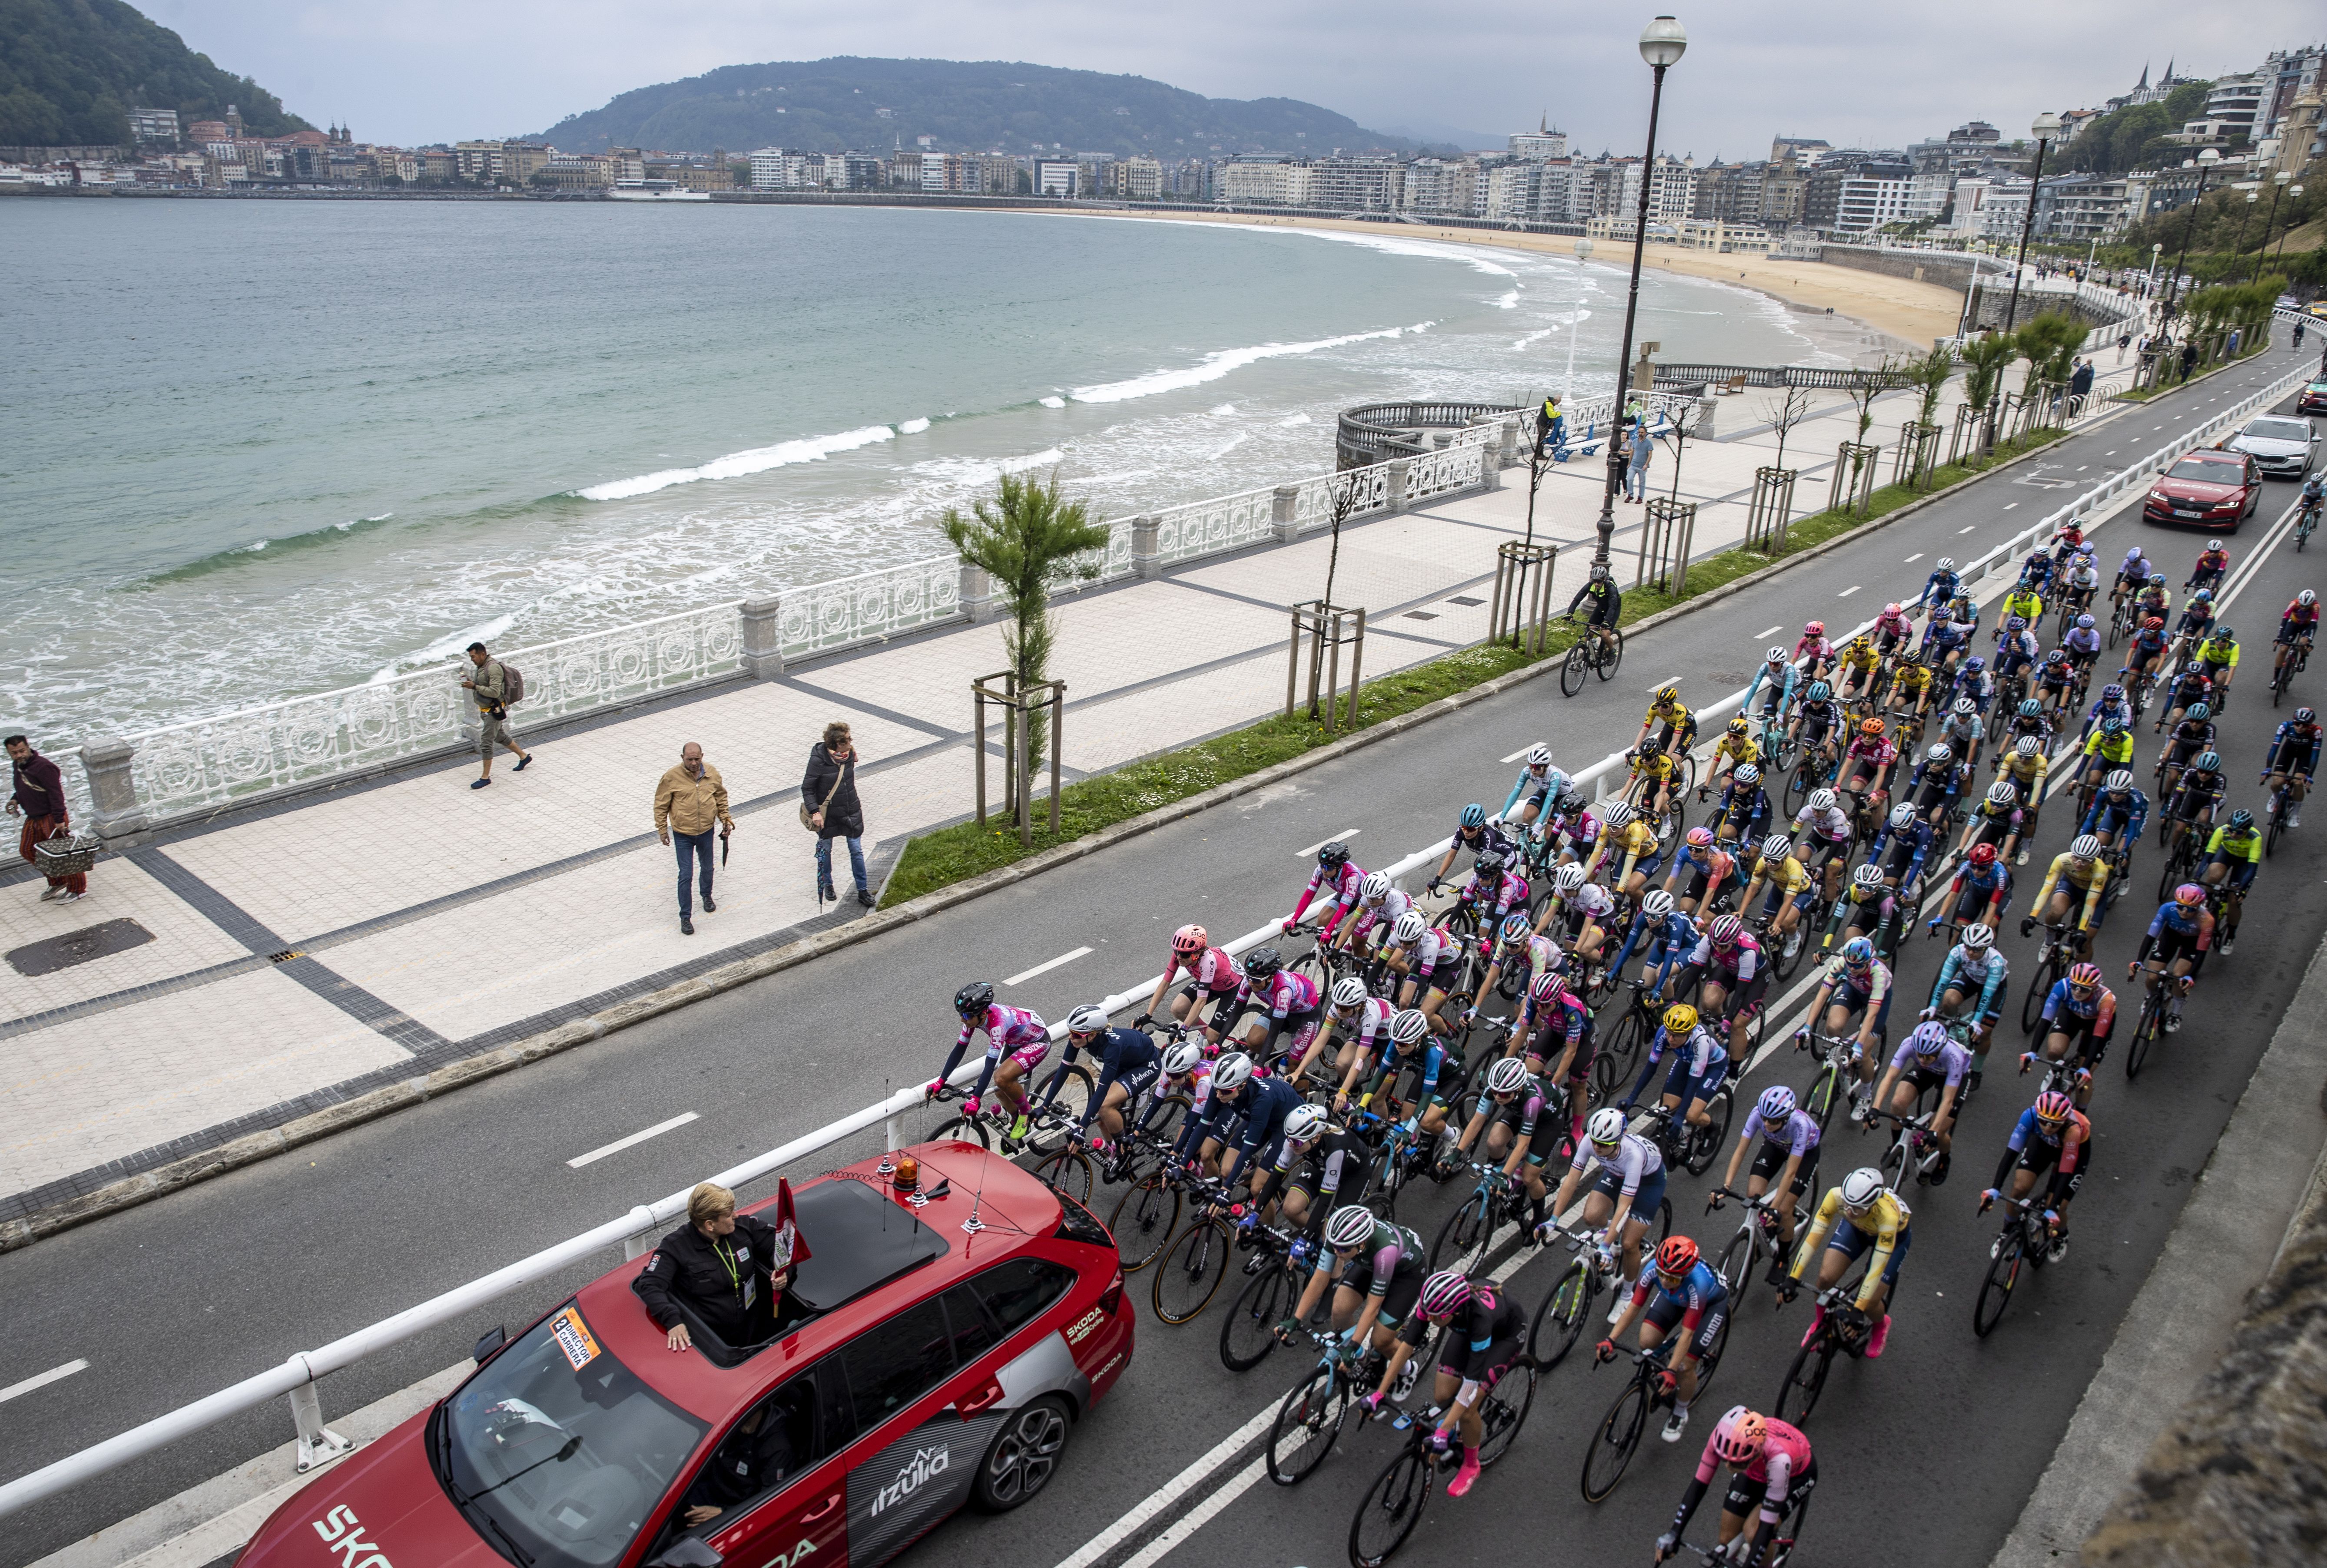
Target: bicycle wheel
{"x":1464,"y":1232}
{"x":1143,"y":1221}
{"x":1996,"y":1291}
{"x":1560,"y":1320}
{"x":1161,"y":1121}
{"x":1067,"y":1171}
{"x":1572,"y":672}
{"x":2144,"y":1035}
{"x":1504,"y":1411}
{"x":1390,"y":1509}
{"x":965,"y":1129}
{"x":2039,"y":985}
{"x":2277,"y":826}
{"x":1705,"y":1145}
{"x":1307,"y":1425}
{"x":1894,"y":1164}
{"x":1804,"y":1380}
{"x":1825,"y":1090}
{"x":1614,"y":1443}
{"x":1247,"y":1333}
{"x":1190,"y":1276}
{"x":1736,"y":1263}
{"x":1612,"y":656}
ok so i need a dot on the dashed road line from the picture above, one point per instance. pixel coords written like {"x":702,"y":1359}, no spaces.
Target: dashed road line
{"x":1023,"y":975}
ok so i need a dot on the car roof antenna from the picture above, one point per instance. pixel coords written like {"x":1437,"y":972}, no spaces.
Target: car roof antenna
{"x":888,"y":1165}
{"x":973,"y":1225}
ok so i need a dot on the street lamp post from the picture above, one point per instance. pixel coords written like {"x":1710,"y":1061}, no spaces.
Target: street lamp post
{"x":2205,"y":162}
{"x":2277,"y":185}
{"x":2047,"y":127}
{"x":2240,"y":242}
{"x":1583,"y":255}
{"x":1662,"y":43}
{"x":2149,"y":283}
{"x":2294,"y":194}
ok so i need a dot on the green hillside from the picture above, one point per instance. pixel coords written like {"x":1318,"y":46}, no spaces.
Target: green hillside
{"x":991,"y":106}
{"x":71,"y":70}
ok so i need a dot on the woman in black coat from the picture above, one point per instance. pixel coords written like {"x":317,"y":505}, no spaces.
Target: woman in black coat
{"x":828,"y":795}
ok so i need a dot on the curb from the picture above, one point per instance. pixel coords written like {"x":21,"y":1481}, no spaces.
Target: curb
{"x":253,"y":1147}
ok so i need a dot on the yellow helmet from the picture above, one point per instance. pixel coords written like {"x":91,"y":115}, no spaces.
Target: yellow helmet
{"x":1738,"y":726}
{"x":1679,"y":1019}
{"x":1668,"y":693}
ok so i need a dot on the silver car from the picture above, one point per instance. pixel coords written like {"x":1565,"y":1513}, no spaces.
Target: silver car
{"x":2282,"y":447}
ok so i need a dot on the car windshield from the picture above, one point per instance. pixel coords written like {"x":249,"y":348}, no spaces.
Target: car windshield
{"x":555,"y":1452}
{"x":2205,"y":471}
{"x":2280,"y":429}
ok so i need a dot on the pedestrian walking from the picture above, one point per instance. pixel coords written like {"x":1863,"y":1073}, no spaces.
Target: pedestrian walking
{"x":2189,"y":359}
{"x":2236,"y":333}
{"x":1636,"y":470}
{"x":39,"y":800}
{"x":690,"y":805}
{"x":2081,"y":384}
{"x":2123,"y":342}
{"x":494,"y":687}
{"x":830,"y":810}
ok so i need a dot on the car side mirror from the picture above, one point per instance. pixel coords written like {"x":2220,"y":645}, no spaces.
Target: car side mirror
{"x":489,"y":1343}
{"x":686,"y":1552}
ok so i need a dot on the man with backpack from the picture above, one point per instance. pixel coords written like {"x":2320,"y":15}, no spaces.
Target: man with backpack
{"x":495,"y":687}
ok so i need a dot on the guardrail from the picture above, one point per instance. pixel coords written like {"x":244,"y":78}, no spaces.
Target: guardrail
{"x":636,"y":1229}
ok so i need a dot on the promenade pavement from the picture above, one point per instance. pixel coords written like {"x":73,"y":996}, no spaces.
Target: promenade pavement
{"x":299,"y":954}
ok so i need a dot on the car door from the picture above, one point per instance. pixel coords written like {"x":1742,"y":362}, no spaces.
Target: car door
{"x":786,"y":1456}
{"x":915,"y":1456}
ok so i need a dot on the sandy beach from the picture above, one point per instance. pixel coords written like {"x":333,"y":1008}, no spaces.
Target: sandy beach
{"x":1905,"y":314}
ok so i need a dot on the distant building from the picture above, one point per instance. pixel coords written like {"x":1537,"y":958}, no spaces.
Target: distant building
{"x":1804,"y":150}
{"x":202,"y":133}
{"x":1057,"y":177}
{"x":154,"y":127}
{"x":1539,"y":143}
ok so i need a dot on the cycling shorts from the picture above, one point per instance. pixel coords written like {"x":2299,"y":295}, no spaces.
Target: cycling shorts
{"x":1544,"y":1047}
{"x":1664,"y":1311}
{"x":1972,"y":901}
{"x":2038,"y":1158}
{"x":1199,"y":998}
{"x":1698,"y":881}
{"x":1928,"y":1082}
{"x":1821,"y":849}
{"x":2242,"y":870}
{"x":1777,"y":898}
{"x":1138,"y":1081}
{"x":1745,"y":1494}
{"x":1854,"y":999}
{"x":1771,"y":1158}
{"x":1483,"y":1366}
{"x":2085,"y":1045}
{"x":2172,"y":946}
{"x":1689,"y":1086}
{"x":1850,"y":1241}
{"x":1646,"y":1198}
{"x":1030,"y":1057}
{"x":1648,"y":865}
{"x":1397,"y":1303}
{"x":2293,"y":633}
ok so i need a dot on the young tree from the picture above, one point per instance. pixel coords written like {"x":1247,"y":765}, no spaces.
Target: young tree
{"x":1788,"y":409}
{"x":1985,"y":359}
{"x":1928,"y":377}
{"x":1024,"y":540}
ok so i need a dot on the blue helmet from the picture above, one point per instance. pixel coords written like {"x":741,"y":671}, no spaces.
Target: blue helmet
{"x":1474,"y":816}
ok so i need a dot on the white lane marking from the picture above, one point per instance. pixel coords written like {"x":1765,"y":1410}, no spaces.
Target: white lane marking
{"x":1847,"y":592}
{"x":1171,"y":1492}
{"x":1765,"y":631}
{"x":1023,"y":975}
{"x":618,"y":1144}
{"x":2009,"y":505}
{"x":1345,"y":832}
{"x":1522,"y":751}
{"x":1668,"y":680}
{"x":41,"y":1380}
{"x":1912,"y":559}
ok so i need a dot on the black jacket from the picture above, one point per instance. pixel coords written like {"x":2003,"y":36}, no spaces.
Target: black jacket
{"x":844,"y":819}
{"x":1607,"y":602}
{"x":688,"y":1265}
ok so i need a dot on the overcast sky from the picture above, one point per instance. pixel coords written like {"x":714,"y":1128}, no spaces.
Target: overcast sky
{"x":1853,"y":72}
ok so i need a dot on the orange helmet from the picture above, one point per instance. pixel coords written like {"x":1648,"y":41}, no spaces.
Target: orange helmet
{"x":1870,"y":727}
{"x":1739,"y":1436}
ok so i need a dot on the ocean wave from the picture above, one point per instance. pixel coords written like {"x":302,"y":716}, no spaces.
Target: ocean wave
{"x":736,"y":464}
{"x":273,"y":549}
{"x":1223,"y":411}
{"x":1052,"y":402}
{"x":1218,"y":363}
{"x":445,"y":646}
{"x":975,"y":474}
{"x":1296,"y":419}
{"x":1233,"y":441}
{"x":912,"y":427}
{"x":1507,"y":302}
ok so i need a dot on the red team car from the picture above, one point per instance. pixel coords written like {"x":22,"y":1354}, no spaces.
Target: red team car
{"x":2206,"y":488}
{"x":916,"y":1366}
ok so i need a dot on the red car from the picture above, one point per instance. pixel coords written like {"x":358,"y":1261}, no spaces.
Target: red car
{"x":917,"y":1364}
{"x":2206,"y":488}
{"x":2312,"y":399}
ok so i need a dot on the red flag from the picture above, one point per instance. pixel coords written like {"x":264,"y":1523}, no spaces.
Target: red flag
{"x":790,"y":1247}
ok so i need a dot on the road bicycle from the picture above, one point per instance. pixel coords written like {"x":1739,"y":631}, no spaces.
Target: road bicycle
{"x":1776,"y":1554}
{"x":1757,"y":1235}
{"x":1843,"y":1333}
{"x":1568,"y":1305}
{"x":1309,"y":1418}
{"x":1619,"y":1056}
{"x":2282,"y":678}
{"x":2063,"y":948}
{"x":1464,"y":1238}
{"x":1390,"y":1509}
{"x":1204,"y":1254}
{"x":1835,"y":1077}
{"x":1279,"y":1266}
{"x":1592,"y":652}
{"x":1618,"y":1436}
{"x":1047,"y":1126}
{"x":1914,"y":1148}
{"x":2304,"y":522}
{"x":2276,"y":808}
{"x":2149,"y":1026}
{"x":1685,"y":1145}
{"x":2026,"y":1242}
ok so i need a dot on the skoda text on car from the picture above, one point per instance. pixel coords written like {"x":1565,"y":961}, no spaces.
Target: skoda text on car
{"x":2312,"y":399}
{"x":2282,"y":447}
{"x":2206,"y":488}
{"x":915,"y":1365}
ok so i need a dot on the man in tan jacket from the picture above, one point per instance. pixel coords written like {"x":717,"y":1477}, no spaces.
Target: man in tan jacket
{"x":691,"y":802}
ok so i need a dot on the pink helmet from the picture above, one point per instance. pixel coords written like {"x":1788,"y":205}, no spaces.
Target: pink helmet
{"x":1739,"y":1436}
{"x":1190,"y":940}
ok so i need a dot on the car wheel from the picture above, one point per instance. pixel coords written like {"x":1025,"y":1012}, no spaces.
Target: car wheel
{"x":1022,"y":1456}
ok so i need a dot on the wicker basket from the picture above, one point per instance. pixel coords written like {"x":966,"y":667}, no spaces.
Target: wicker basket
{"x":67,"y":855}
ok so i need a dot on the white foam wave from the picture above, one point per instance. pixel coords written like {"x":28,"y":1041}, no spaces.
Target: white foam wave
{"x":1233,"y":441}
{"x":1223,"y":411}
{"x":736,"y":464}
{"x":1054,"y":402}
{"x":1296,"y":419}
{"x":445,"y":646}
{"x":1509,"y":300}
{"x":912,"y":427}
{"x":1218,"y":363}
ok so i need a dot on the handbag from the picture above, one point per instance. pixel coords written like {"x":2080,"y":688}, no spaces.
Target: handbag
{"x":806,"y":815}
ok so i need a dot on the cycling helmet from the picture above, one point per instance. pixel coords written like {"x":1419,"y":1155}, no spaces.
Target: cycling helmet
{"x":1668,"y":694}
{"x":1473,"y":815}
{"x":1183,"y":1059}
{"x":2190,"y":893}
{"x":2112,"y":725}
{"x":1890,"y":612}
{"x":974,"y":997}
{"x":1303,"y":1125}
{"x":2224,"y":634}
{"x":2207,"y":762}
{"x":2157,"y":579}
{"x":1349,"y":992}
{"x":1941,"y":754}
{"x":1777,"y":1103}
{"x":1776,"y":655}
{"x":1190,"y":940}
{"x":1088,"y":1019}
{"x":2030,"y":708}
{"x":1964,"y":707}
{"x":2112,"y":692}
{"x":1902,"y":818}
{"x":1507,"y":1076}
{"x":2241,"y":820}
{"x":2117,"y":782}
{"x":1262,"y":962}
{"x":1567,"y":878}
{"x":1824,"y":800}
{"x":1607,"y":1128}
{"x":1539,"y":755}
{"x":1978,"y":937}
{"x":1700,"y":838}
{"x":1333,"y":856}
{"x":1861,"y":1188}
{"x":1776,"y":846}
{"x":2306,"y":598}
{"x":2213,"y":544}
{"x":1983,"y":854}
{"x":1740,"y":728}
{"x":2153,"y":623}
{"x":1231,"y":1071}
{"x":1974,"y":665}
{"x":1409,"y":928}
{"x":2016,"y":624}
{"x":2002,"y":793}
{"x":1409,"y":1026}
{"x":2084,"y":846}
{"x":1858,"y":952}
{"x":2084,"y":976}
{"x":2054,"y":1107}
{"x":1813,"y":629}
{"x":1675,"y":1255}
{"x":1656,"y":904}
{"x":1570,"y":802}
{"x":1749,"y":774}
{"x":1870,"y":876}
{"x":1546,"y":989}
{"x":1377,"y":887}
{"x":1871,"y":728}
{"x":1819,"y":691}
{"x":2059,"y":656}
{"x":1725,"y":930}
{"x":2198,"y":711}
{"x":2028,"y":746}
{"x":1680,"y":1019}
{"x":1599,"y":572}
{"x":1351,"y":1228}
{"x":2305,"y":716}
{"x":1739,"y":1439}
{"x":1946,"y":564}
{"x":2084,"y":623}
{"x":1620,"y":815}
{"x":1514,"y":928}
{"x":1443,"y":1293}
{"x":1930,"y":1037}
{"x":1490,"y":865}
{"x":2202,"y":596}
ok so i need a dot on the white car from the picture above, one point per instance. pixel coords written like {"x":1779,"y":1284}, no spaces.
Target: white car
{"x":2282,"y":447}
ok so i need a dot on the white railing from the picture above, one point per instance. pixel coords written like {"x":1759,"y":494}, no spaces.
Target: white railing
{"x":636,"y":1229}
{"x":850,"y":610}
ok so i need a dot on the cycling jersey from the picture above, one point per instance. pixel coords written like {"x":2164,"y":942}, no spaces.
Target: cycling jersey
{"x":1391,"y":1251}
{"x":2026,"y":770}
{"x":1813,"y":651}
{"x":1533,"y":782}
{"x":1382,"y":912}
{"x":1872,"y":982}
{"x":2197,"y":794}
{"x":1889,"y":630}
{"x":2067,"y":1148}
{"x":1872,"y":754}
{"x":2175,"y":918}
{"x":1798,"y":1133}
{"x":1124,"y":1055}
{"x":1701,"y":1061}
{"x":2247,"y":846}
{"x":1833,"y":824}
{"x":2127,"y":814}
{"x":1369,"y":1023}
{"x":1011,"y":1029}
{"x":1521,"y":1112}
{"x":1937,"y":781}
{"x":2190,"y":737}
{"x":2294,"y":749}
{"x":1744,"y":808}
{"x":2299,"y":621}
{"x":2025,"y":603}
{"x":1674,"y":935}
{"x":1491,"y":1320}
{"x":1951,"y":1062}
{"x":1564,"y":1019}
{"x":1212,"y":969}
{"x":1636,"y":1160}
{"x":1963,"y":733}
{"x":2103,"y":710}
{"x":1675,"y":713}
{"x":1860,"y":657}
{"x":2117,"y":749}
{"x":1938,"y":588}
{"x":1657,"y":768}
{"x":1343,"y":887}
{"x":2067,"y":1012}
{"x":1780,"y":680}
{"x":1736,"y":749}
{"x":1336,"y":1161}
{"x":1263,"y":1104}
{"x":2221,"y":655}
{"x":2065,"y":874}
{"x":1788,"y":877}
{"x":1985,"y":972}
{"x":1911,"y":682}
{"x":1428,"y":1055}
{"x":2084,"y":642}
{"x":1486,"y":838}
{"x":1887,"y":1222}
{"x":1700,"y":1292}
{"x":1818,"y":719}
{"x":1741,"y":962}
{"x":1634,"y":841}
{"x":1499,"y":895}
{"x":1902,"y":852}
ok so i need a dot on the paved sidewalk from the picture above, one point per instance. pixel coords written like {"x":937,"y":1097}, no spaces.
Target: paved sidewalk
{"x":300,"y":954}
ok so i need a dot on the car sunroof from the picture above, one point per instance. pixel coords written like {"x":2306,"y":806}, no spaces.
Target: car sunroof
{"x":857,"y":1238}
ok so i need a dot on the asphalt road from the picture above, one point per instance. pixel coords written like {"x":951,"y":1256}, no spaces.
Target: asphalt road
{"x":174,"y":1300}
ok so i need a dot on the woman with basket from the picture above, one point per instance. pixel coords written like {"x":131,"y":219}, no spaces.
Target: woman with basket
{"x":47,"y":841}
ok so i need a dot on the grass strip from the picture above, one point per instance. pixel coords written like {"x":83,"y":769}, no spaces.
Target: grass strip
{"x":936,"y":859}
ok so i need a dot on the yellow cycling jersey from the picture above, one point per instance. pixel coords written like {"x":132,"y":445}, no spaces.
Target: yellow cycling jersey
{"x":1887,"y":1222}
{"x":1737,"y":749}
{"x":1911,"y":681}
{"x":2218,"y":653}
{"x":1658,"y":767}
{"x":1789,"y":875}
{"x":1675,"y":712}
{"x":2030,"y":605}
{"x":2116,"y":748}
{"x":2022,"y":770}
{"x":1859,"y":656}
{"x":1635,"y":838}
{"x":2064,"y":874}
{"x":2247,"y":846}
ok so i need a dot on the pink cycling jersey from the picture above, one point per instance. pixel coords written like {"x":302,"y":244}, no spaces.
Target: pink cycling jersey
{"x":1814,"y":649}
{"x":1343,"y":887}
{"x":1281,"y":995}
{"x":1011,"y":1029}
{"x":1785,"y":1455}
{"x":1212,"y":969}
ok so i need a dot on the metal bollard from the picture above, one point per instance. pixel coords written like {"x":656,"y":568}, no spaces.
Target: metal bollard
{"x":318,"y":1443}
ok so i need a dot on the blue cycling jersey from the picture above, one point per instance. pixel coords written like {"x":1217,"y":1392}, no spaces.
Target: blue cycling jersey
{"x":1959,"y":972}
{"x":1700,"y":1291}
{"x":1938,"y":588}
{"x":2177,"y":919}
{"x":2110,"y":812}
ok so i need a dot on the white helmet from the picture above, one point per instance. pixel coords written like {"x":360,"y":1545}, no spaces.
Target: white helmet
{"x":1978,"y":935}
{"x":1776,"y":846}
{"x":1620,"y":815}
{"x":1409,"y":928}
{"x":1869,"y":875}
{"x":1776,"y":654}
{"x":1305,"y":1124}
{"x":1183,"y":1059}
{"x":1409,"y":1026}
{"x":1088,"y":1019}
{"x":1822,"y":800}
{"x":1947,"y":563}
{"x":1507,"y":1076}
{"x":1348,"y":991}
{"x":1902,"y":817}
{"x":1352,"y":1225}
{"x":2085,"y":847}
{"x":1231,"y":1070}
{"x":1377,"y":887}
{"x":2118,"y":781}
{"x":2028,"y":746}
{"x":1861,"y":1188}
{"x":1656,"y":903}
{"x":1607,"y":1128}
{"x":2001,"y":792}
{"x":1539,"y":755}
{"x":1940,"y":753}
{"x":1567,"y":878}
